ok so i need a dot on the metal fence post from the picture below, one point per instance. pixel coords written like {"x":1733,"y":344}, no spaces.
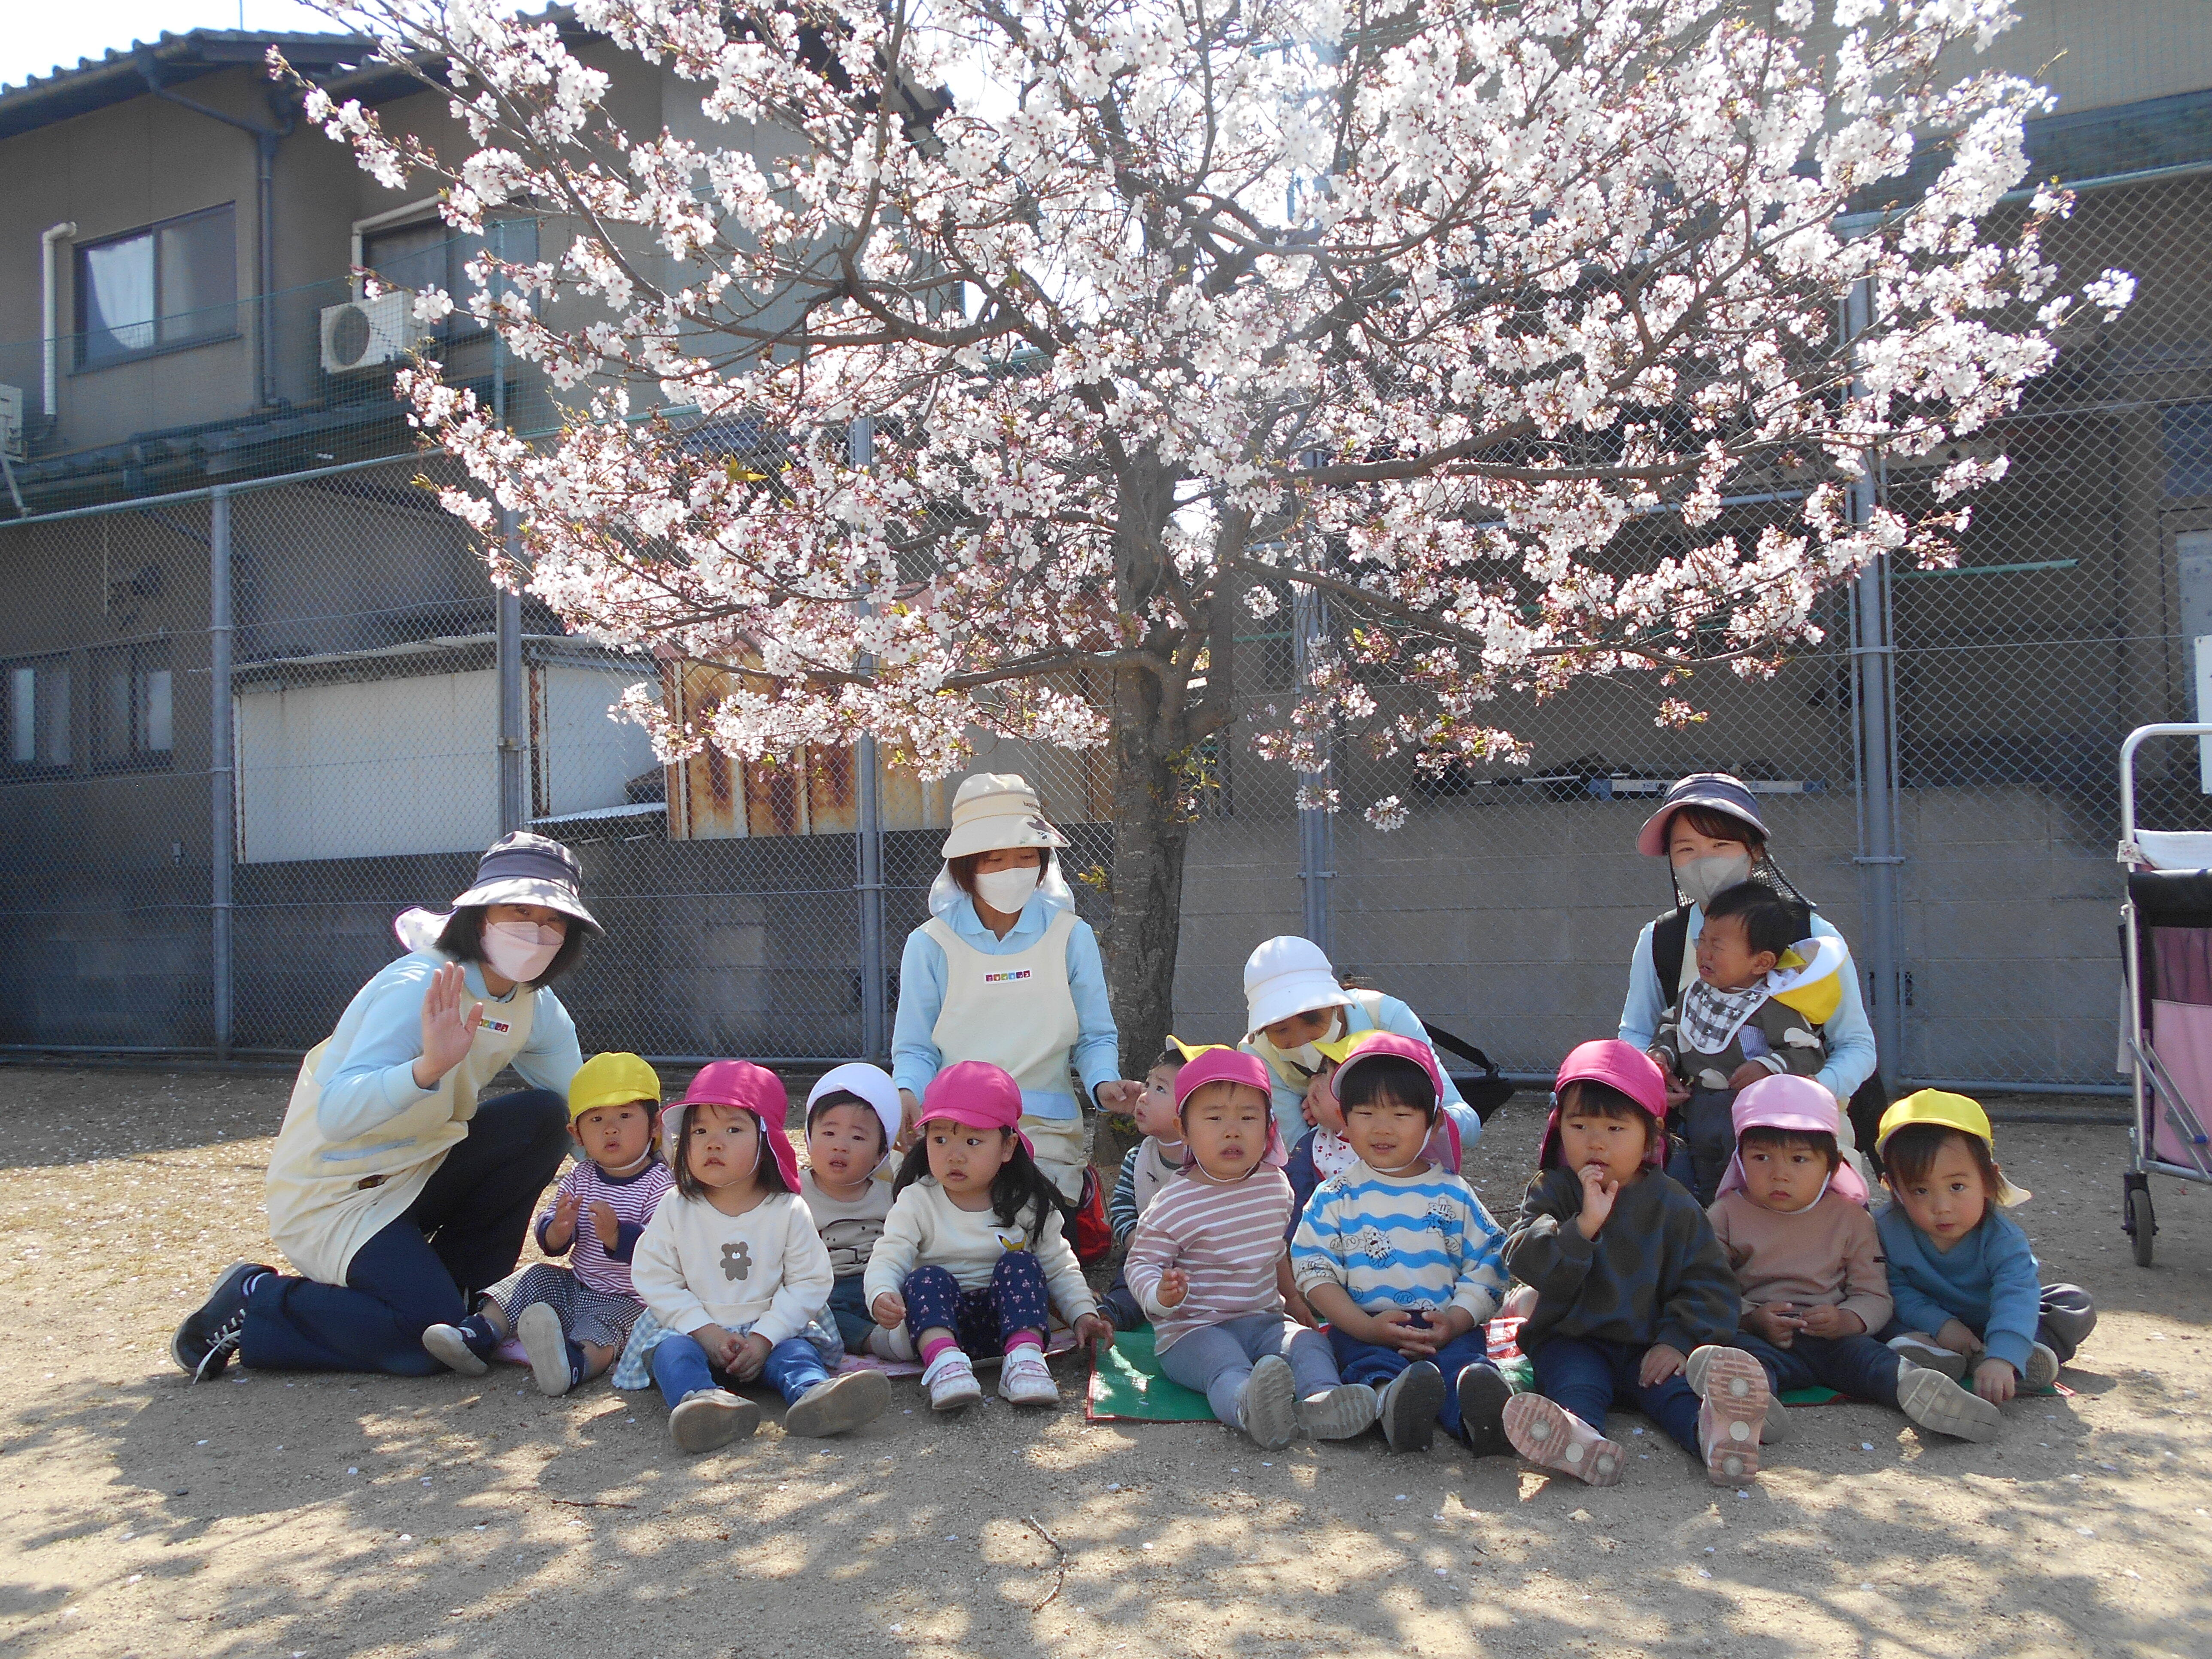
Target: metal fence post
{"x":875,"y":1035}
{"x":514,"y":726}
{"x":1874,"y":708}
{"x":220,"y":797}
{"x":1316,"y":825}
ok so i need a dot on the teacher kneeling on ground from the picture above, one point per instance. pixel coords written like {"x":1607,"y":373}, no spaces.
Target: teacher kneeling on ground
{"x":1004,"y":971}
{"x":396,"y":1196}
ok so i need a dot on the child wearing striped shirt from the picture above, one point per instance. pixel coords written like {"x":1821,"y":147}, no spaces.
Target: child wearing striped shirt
{"x":573,"y":1321}
{"x":1402,"y":1260}
{"x":1207,"y":1265}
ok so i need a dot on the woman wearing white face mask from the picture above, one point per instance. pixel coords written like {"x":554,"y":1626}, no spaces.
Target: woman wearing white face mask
{"x":1004,"y":971}
{"x":1708,"y":831}
{"x":396,"y":1196}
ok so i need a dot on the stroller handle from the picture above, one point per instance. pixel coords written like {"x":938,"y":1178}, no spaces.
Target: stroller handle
{"x":2137,"y":739}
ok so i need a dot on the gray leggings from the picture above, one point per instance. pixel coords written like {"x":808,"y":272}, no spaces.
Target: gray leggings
{"x":1218,"y":1360}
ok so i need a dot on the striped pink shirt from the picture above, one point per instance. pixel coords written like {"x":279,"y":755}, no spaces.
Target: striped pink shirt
{"x":1228,"y":1240}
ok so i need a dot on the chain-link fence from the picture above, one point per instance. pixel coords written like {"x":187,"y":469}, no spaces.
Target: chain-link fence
{"x":221,"y":791}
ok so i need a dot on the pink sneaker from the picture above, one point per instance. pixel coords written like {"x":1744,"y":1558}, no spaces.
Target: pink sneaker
{"x":1553,"y":1438}
{"x":1733,"y":1385}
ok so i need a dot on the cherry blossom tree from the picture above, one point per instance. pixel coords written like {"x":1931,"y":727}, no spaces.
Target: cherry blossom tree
{"x":1157,"y":311}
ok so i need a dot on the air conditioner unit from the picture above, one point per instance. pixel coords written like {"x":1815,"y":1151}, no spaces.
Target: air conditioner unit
{"x":11,"y":423}
{"x":363,"y":333}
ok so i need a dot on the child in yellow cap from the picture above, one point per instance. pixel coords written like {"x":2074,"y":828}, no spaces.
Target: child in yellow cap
{"x":573,"y":1321}
{"x":1966,"y":1285}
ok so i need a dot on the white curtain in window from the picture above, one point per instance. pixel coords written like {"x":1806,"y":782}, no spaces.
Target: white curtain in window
{"x":119,"y":281}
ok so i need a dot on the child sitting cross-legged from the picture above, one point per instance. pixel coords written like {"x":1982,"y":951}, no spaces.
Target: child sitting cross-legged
{"x":1965,"y":1281}
{"x":853,"y":1118}
{"x":1402,"y":1260}
{"x":1146,"y":1169}
{"x":1792,"y":1217}
{"x":973,"y":1255}
{"x":1209,"y":1267}
{"x":1631,"y":1287}
{"x":573,"y":1320}
{"x":734,"y":1277}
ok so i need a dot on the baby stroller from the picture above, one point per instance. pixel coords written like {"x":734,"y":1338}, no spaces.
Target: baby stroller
{"x":2166,"y":957}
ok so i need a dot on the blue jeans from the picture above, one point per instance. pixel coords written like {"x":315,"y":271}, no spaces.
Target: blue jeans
{"x":1704,"y":1140}
{"x":848,"y":1306}
{"x":680,"y":1366}
{"x":1119,"y":1304}
{"x":1856,"y":1366}
{"x":1587,"y":1376}
{"x":1015,"y":1299}
{"x":1374,"y":1365}
{"x":462,"y":1233}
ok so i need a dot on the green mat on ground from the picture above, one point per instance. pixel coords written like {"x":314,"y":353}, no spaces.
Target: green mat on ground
{"x":1126,"y":1386}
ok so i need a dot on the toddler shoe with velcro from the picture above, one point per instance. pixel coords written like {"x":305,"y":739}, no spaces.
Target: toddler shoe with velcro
{"x":1024,"y":1379}
{"x":952,"y":1382}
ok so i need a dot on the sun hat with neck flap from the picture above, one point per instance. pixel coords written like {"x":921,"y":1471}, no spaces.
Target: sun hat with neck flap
{"x":1802,"y":1106}
{"x":993,"y":811}
{"x":868,"y":1083}
{"x":516,"y":869}
{"x":1941,"y":1109}
{"x":742,"y":1087}
{"x":1618,"y":1065}
{"x":1716,"y":791}
{"x":975,"y":1094}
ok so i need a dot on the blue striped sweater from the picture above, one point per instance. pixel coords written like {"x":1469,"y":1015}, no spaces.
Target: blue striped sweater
{"x":1421,"y":1242}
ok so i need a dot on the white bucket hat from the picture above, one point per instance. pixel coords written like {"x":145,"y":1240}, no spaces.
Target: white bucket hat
{"x":1288,"y":976}
{"x":995,"y":810}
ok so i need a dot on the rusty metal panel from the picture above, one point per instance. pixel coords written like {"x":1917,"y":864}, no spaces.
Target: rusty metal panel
{"x":707,"y":802}
{"x":833,"y":805}
{"x":776,"y":797}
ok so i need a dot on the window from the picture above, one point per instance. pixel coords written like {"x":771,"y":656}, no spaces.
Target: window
{"x":37,"y":714}
{"x":431,"y":254}
{"x":171,"y":284}
{"x":131,"y":715}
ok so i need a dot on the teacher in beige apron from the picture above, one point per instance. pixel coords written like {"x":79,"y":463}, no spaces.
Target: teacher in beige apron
{"x":1004,"y":971}
{"x":392,"y":1191}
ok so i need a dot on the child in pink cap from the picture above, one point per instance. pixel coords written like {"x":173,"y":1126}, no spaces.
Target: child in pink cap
{"x":1792,"y":1217}
{"x":1209,"y":1267}
{"x":734,"y":1277}
{"x":973,"y":1255}
{"x":1633,"y":1289}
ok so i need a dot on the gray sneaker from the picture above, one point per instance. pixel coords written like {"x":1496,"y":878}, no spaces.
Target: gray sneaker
{"x":707,"y":1417}
{"x":1925,"y":1352}
{"x":1935,"y":1401}
{"x":1338,"y":1413}
{"x":1408,"y":1406}
{"x":839,"y":1403}
{"x":1268,"y":1408}
{"x":2042,"y":1369}
{"x":1777,"y":1426}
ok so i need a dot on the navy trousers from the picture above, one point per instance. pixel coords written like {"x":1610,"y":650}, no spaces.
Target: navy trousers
{"x":463,"y":1232}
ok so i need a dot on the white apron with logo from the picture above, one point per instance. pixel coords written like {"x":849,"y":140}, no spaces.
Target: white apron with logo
{"x":1017,"y":1012}
{"x":326,"y":1199}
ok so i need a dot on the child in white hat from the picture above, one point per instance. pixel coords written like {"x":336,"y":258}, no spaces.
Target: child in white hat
{"x":852,"y":1124}
{"x":1293,"y":1004}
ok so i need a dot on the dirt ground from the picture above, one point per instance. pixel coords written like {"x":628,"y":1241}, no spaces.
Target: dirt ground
{"x":304,"y":1516}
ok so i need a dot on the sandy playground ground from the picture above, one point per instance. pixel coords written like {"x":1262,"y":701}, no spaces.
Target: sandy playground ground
{"x":307,"y":1516}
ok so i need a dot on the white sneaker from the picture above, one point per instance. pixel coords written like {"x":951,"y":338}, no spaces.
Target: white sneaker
{"x":952,"y":1382}
{"x":1026,"y":1380}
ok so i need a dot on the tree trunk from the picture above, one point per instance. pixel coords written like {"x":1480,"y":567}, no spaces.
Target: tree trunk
{"x":1150,"y":838}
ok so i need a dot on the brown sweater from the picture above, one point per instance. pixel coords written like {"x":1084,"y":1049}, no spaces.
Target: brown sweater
{"x":1829,"y":1254}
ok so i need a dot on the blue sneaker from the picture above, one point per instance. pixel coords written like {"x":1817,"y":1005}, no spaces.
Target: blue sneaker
{"x":205,"y":1342}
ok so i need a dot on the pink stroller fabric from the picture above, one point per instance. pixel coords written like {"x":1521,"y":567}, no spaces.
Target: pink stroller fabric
{"x":2181,"y":1035}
